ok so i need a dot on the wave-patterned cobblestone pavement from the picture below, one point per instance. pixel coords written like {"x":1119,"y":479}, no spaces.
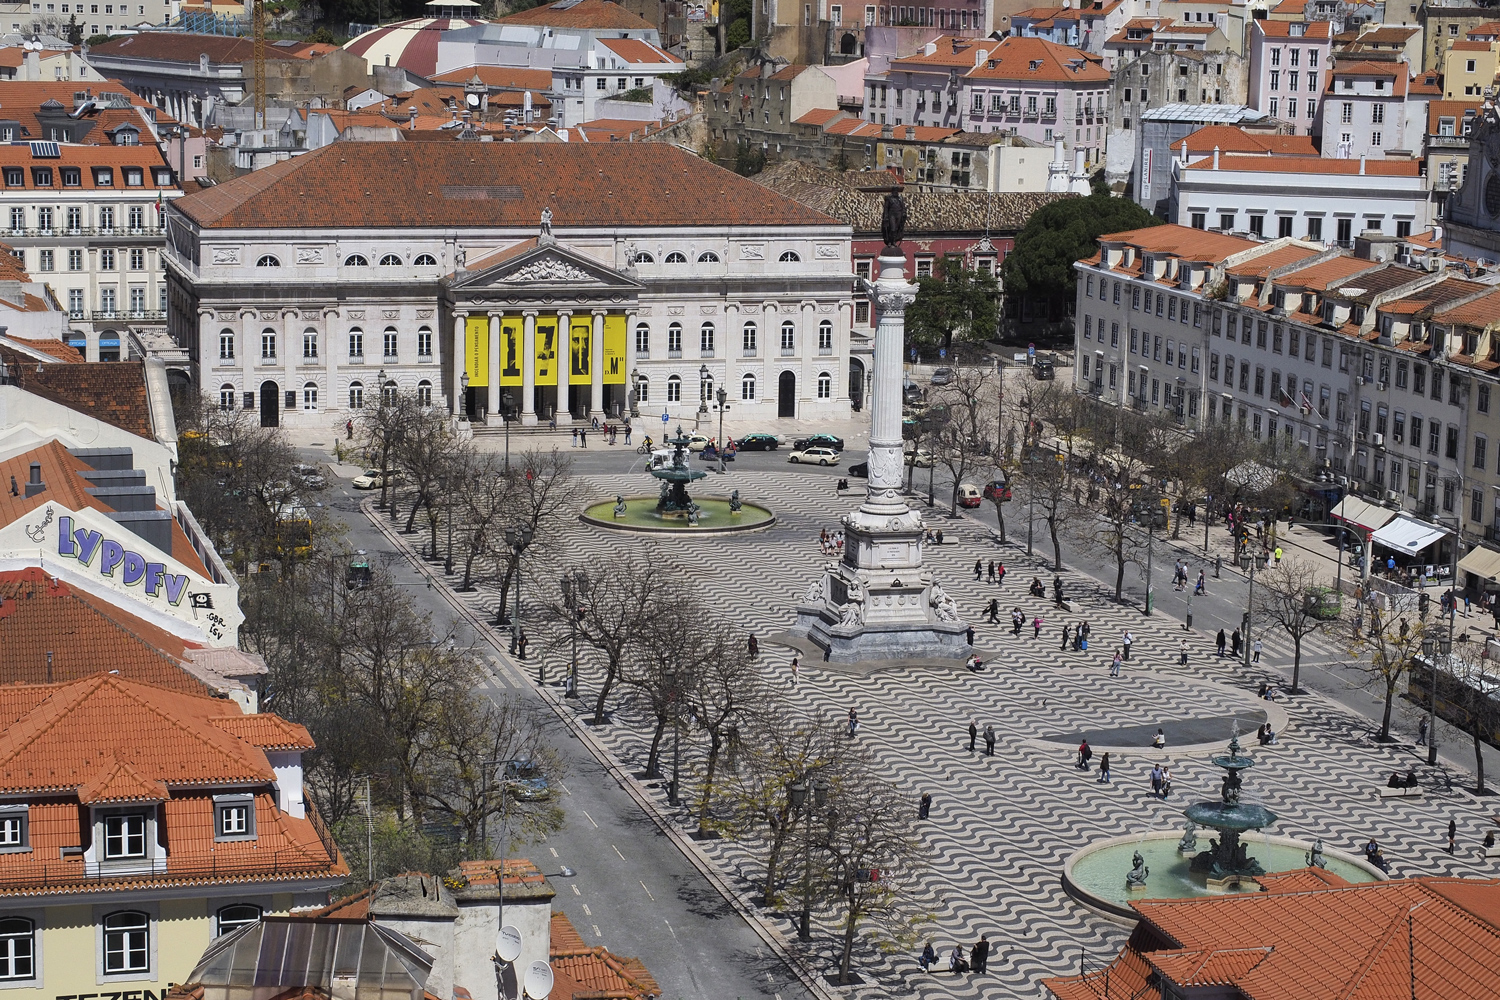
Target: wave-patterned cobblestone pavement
{"x":1002,"y":826}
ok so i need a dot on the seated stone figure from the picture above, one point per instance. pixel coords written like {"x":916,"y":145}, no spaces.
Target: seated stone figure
{"x":1139,"y":872}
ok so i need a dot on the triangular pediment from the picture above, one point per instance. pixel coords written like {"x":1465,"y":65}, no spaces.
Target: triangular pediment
{"x":540,"y":264}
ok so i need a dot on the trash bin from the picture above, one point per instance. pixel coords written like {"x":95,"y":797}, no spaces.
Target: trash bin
{"x":1189,"y":620}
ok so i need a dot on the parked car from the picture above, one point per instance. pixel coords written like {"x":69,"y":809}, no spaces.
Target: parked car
{"x":758,"y":442}
{"x":811,"y":456}
{"x":309,"y":477}
{"x":819,"y":441}
{"x":1045,"y":369}
{"x":525,"y":781}
{"x":860,"y":470}
{"x":697,"y":442}
{"x":968,"y":495}
{"x":942,"y":376}
{"x":374,"y":479}
{"x":711,"y":453}
{"x":997,"y":489}
{"x":922,"y":458}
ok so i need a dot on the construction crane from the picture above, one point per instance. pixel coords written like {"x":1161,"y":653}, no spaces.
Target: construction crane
{"x":258,"y":56}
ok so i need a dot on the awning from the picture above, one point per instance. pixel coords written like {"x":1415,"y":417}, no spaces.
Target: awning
{"x":1482,"y":562}
{"x":1408,"y":535}
{"x":1362,"y":513}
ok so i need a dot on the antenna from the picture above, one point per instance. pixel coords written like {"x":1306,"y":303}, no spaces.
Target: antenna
{"x":508,"y":944}
{"x":538,"y":981}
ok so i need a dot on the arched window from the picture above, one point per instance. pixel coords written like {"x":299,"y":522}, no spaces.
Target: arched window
{"x":226,"y":397}
{"x":674,"y":389}
{"x":825,"y":385}
{"x":424,"y":260}
{"x":389,"y":340}
{"x":226,"y":345}
{"x":268,"y":344}
{"x":642,"y":389}
{"x":388,"y":393}
{"x":676,"y":258}
{"x":310,"y":343}
{"x":390,"y":260}
{"x":749,"y":338}
{"x":268,"y":260}
{"x":674,"y":339}
{"x":706,"y":339}
{"x":310,"y":395}
{"x":791,"y":257}
{"x":825,"y":335}
{"x":232,"y":918}
{"x":642,"y":340}
{"x":747,"y":387}
{"x":356,"y":396}
{"x":424,"y":342}
{"x":356,"y":343}
{"x":708,"y":257}
{"x":356,"y":260}
{"x":424,"y":393}
{"x":642,"y":257}
{"x":127,"y":942}
{"x":788,"y":337}
{"x":17,"y":948}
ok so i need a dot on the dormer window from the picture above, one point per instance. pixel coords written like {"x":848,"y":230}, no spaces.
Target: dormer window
{"x":15,"y":835}
{"x":234,"y":817}
{"x":72,"y":177}
{"x":134,"y":177}
{"x":104,"y":177}
{"x":124,"y":836}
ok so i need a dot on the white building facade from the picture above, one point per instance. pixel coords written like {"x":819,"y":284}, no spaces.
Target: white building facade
{"x":636,"y":285}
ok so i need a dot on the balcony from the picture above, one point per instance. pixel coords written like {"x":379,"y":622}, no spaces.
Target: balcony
{"x":788,"y":352}
{"x":141,"y":315}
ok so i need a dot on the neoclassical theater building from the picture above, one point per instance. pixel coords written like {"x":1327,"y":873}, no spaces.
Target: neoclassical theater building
{"x":539,"y":278}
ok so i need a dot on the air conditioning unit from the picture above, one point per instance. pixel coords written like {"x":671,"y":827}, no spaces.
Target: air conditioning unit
{"x":1343,"y":481}
{"x":1306,"y":410}
{"x":1391,"y":496}
{"x":1379,"y":440}
{"x":1381,"y":386}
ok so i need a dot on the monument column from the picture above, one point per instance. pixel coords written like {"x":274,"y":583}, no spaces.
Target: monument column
{"x":460,"y":320}
{"x":596,"y":366}
{"x":892,"y":293}
{"x":494,"y":373}
{"x":528,"y":369}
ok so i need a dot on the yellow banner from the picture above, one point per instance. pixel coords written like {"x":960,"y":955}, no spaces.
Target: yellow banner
{"x":546,"y":350}
{"x":614,"y":350}
{"x":477,"y":350}
{"x":512,"y":339}
{"x":580,"y":350}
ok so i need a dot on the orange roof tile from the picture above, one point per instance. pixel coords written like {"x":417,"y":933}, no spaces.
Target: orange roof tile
{"x":1319,"y":277}
{"x":1449,"y":109}
{"x":99,"y":168}
{"x":638,"y":52}
{"x":182,"y":47}
{"x":1395,"y":71}
{"x":268,"y":732}
{"x":818,"y":116}
{"x":1468,"y":46}
{"x":582,"y":971}
{"x":584,"y":14}
{"x":117,"y":781}
{"x":1035,"y":59}
{"x":1316,"y":31}
{"x":948,"y":51}
{"x":503,"y":77}
{"x":1481,"y":313}
{"x":1263,"y":264}
{"x":1312,"y":165}
{"x":1489,"y":29}
{"x":1182,"y":242}
{"x":1223,"y":967}
{"x":65,"y":353}
{"x":1230,"y":139}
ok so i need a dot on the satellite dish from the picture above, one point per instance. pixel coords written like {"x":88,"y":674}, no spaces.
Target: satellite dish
{"x":472,"y":100}
{"x":538,"y":980}
{"x":508,"y":943}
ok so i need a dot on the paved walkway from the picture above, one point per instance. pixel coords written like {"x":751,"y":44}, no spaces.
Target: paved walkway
{"x":1002,"y":826}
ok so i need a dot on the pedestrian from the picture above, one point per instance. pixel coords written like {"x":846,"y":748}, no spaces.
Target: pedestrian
{"x":970,"y":635}
{"x":984,"y":954}
{"x":1221,"y":641}
{"x":1182,"y":655}
{"x":1085,"y":754}
{"x":1114,"y":667}
{"x":1066,"y":635}
{"x":1166,"y":782}
{"x":989,"y":740}
{"x":1255,"y":649}
{"x":1125,"y":644}
{"x":924,"y":806}
{"x":797,"y":676}
{"x":1452,"y":836}
{"x":993,"y":611}
{"x":583,"y":437}
{"x":627,"y":434}
{"x":575,"y":437}
{"x":999,"y":574}
{"x":973,"y":735}
{"x":978,"y":569}
{"x":1159,"y":741}
{"x":1017,"y":619}
{"x":929,"y":956}
{"x":1234,"y":644}
{"x":521,"y":642}
{"x":1278,"y":553}
{"x":1422,"y":731}
{"x":992,"y":571}
{"x":1156,"y":781}
{"x":349,"y":430}
{"x":752,"y":645}
{"x":853,"y":722}
{"x":1199,"y":587}
{"x":1036,"y":627}
{"x":1104,"y":768}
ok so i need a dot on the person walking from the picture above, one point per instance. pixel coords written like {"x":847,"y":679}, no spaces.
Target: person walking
{"x":627,"y":434}
{"x":349,"y":430}
{"x":992,"y":571}
{"x":1452,"y":836}
{"x":1104,"y":768}
{"x":797,"y":675}
{"x":994,"y":611}
{"x":1126,"y":643}
{"x":973,"y":734}
{"x":1017,"y":619}
{"x":1166,"y":782}
{"x":853,"y":722}
{"x":752,"y":645}
{"x":575,"y":437}
{"x":1221,"y":642}
{"x":989,"y":740}
{"x":924,"y":805}
{"x":1036,"y":627}
{"x":1000,"y":574}
{"x":1234,"y":644}
{"x":1085,"y":754}
{"x":1183,"y":654}
{"x":1114,"y":666}
{"x":983,"y":949}
{"x":1422,"y":731}
{"x":583,"y":437}
{"x":1066,"y":635}
{"x":969,"y":634}
{"x":1199,"y":588}
{"x":1156,"y":781}
{"x":1278,"y":553}
{"x":978,"y":569}
{"x":1255,"y":650}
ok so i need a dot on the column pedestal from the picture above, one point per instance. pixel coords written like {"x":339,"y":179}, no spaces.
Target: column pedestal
{"x":879,"y":602}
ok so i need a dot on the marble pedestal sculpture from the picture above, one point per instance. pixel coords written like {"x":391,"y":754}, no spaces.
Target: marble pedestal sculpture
{"x":879,"y":602}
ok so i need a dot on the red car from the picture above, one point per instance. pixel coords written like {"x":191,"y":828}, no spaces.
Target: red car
{"x":997,"y":489}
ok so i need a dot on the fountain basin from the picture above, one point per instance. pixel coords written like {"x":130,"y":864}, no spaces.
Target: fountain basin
{"x":1096,"y":874}
{"x":714,"y":517}
{"x":1239,"y":816}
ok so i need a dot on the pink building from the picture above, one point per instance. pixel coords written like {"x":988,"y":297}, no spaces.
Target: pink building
{"x":1289,"y":63}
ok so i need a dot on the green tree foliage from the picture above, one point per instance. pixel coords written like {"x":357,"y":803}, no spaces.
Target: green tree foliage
{"x":739,"y":24}
{"x":749,"y":160}
{"x":960,"y":303}
{"x":1041,"y":265}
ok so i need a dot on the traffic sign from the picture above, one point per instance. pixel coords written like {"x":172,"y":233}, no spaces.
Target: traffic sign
{"x":664,"y":418}
{"x":942,"y":352}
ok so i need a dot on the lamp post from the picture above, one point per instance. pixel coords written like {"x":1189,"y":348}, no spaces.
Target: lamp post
{"x":1150,"y":537}
{"x":723,"y":397}
{"x":635,"y":392}
{"x":506,"y":400}
{"x":575,"y":590}
{"x":703,"y":376}
{"x":463,"y":405}
{"x":803,"y":803}
{"x":1248,"y":562}
{"x":671,"y":676}
{"x":519,"y":540}
{"x":448,"y":497}
{"x":1029,"y":460}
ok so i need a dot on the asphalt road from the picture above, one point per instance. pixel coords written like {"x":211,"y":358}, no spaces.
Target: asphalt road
{"x":633,"y":891}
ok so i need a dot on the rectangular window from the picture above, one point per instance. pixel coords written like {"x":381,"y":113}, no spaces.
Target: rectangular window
{"x":1451,"y":443}
{"x":137,"y":259}
{"x":1315,"y":228}
{"x":1482,"y":399}
{"x":268,"y":347}
{"x":125,"y":836}
{"x":1398,"y":426}
{"x":356,"y":345}
{"x":45,"y":261}
{"x":1114,"y":335}
{"x":388,"y":343}
{"x":1437,"y":384}
{"x":1434,"y":432}
{"x":1480,"y":444}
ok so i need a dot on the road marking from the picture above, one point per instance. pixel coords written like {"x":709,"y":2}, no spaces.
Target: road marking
{"x":617,"y":851}
{"x":586,"y":911}
{"x":576,"y":892}
{"x":553,"y":850}
{"x":669,"y":927}
{"x":597,"y":932}
{"x":591,"y":820}
{"x":565,"y":789}
{"x":648,"y":893}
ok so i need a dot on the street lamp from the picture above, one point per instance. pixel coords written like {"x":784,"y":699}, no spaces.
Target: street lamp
{"x":463,"y":398}
{"x":723,"y":397}
{"x":671,"y":678}
{"x":448,"y":498}
{"x":635,"y":392}
{"x":803,"y":803}
{"x":1248,"y":562}
{"x":575,"y":589}
{"x":1029,"y":461}
{"x":519,"y":540}
{"x":506,"y":400}
{"x":703,"y":376}
{"x":1154,"y":514}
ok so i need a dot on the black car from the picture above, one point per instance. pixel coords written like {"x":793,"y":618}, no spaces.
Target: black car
{"x":819,"y":441}
{"x":860,"y":471}
{"x":757,"y":442}
{"x":1045,"y":369}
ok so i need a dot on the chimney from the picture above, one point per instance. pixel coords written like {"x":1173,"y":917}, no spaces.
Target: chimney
{"x":1361,"y":165}
{"x":411,"y":122}
{"x":35,"y":484}
{"x":911,"y":133}
{"x":1216,"y":157}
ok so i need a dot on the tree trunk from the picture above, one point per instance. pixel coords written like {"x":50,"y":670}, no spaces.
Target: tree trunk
{"x":411,"y":519}
{"x":653,"y":759}
{"x":1000,"y":520}
{"x":609,"y":681}
{"x":773,"y":862}
{"x":1296,"y":663}
{"x":1057,"y":566}
{"x":432,"y":523}
{"x":849,"y":926}
{"x":1119,"y":573}
{"x":708,"y":781}
{"x":1478,"y":759}
{"x":1390,"y":694}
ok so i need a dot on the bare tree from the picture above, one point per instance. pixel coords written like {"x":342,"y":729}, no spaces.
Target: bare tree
{"x":1467,"y":684}
{"x":1288,"y":598}
{"x":1109,"y":525}
{"x":426,"y":453}
{"x":960,"y":441}
{"x":1044,"y":474}
{"x":1385,"y":650}
{"x":542,"y":494}
{"x":728,"y":684}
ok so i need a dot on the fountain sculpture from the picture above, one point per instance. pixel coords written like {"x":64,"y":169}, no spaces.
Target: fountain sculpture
{"x":1227,"y":856}
{"x":674,"y":500}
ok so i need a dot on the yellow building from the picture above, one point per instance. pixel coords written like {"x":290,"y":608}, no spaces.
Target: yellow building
{"x":1470,"y":67}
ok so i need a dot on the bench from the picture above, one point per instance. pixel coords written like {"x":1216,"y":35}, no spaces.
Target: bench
{"x":1401,"y":793}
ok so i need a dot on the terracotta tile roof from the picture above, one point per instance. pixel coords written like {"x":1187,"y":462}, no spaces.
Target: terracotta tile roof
{"x":1433,"y":297}
{"x":1319,"y":277}
{"x":1263,"y":264}
{"x":517,"y":871}
{"x":82,"y":635}
{"x":182,"y":47}
{"x":114,"y":392}
{"x":268,"y":732}
{"x":582,"y":971}
{"x":948,"y":51}
{"x":1389,"y":34}
{"x":638,"y":52}
{"x":1182,"y":242}
{"x":1036,"y":60}
{"x":584,"y":14}
{"x":53,"y":348}
{"x":1481,"y":313}
{"x":1489,"y":29}
{"x":117,"y":781}
{"x":1450,"y":109}
{"x":1222,"y":967}
{"x":1468,"y":46}
{"x":1230,"y":139}
{"x":502,"y":77}
{"x":1312,"y":165}
{"x":115,"y":158}
{"x":1316,"y":31}
{"x":818,"y":116}
{"x":501,"y":256}
{"x":348,"y":184}
{"x":870,"y":130}
{"x":1388,"y":71}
